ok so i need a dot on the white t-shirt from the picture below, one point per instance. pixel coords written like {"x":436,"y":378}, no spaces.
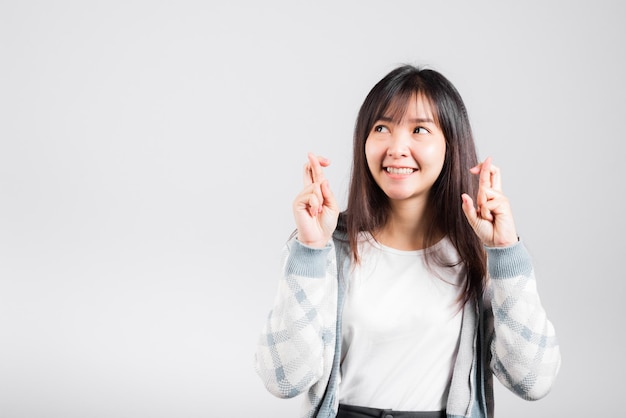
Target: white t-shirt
{"x":401,"y":327}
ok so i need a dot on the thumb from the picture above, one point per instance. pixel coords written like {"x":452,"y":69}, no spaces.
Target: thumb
{"x":469,"y":209}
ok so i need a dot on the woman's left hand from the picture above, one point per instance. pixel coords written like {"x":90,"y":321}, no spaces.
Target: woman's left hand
{"x":491,"y":219}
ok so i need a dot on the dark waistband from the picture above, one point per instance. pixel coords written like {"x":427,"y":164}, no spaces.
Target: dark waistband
{"x":350,"y":411}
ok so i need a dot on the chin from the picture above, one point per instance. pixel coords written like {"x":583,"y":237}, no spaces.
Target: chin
{"x":397,"y":196}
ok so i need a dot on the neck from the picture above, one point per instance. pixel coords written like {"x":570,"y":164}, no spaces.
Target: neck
{"x":406,"y":226}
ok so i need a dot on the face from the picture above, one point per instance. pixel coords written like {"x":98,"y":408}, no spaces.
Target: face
{"x":406,"y":157}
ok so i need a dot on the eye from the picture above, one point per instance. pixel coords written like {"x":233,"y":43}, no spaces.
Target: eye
{"x":421,"y":130}
{"x":381,"y":128}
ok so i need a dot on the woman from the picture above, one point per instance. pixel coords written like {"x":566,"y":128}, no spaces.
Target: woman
{"x":414,"y":296}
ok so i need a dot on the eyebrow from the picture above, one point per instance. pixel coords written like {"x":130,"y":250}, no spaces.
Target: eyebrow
{"x":412,"y":120}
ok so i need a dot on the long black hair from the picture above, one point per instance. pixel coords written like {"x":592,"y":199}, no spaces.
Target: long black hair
{"x":368,"y":206}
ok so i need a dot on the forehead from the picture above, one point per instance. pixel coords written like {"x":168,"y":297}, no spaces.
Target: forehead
{"x":416,"y":105}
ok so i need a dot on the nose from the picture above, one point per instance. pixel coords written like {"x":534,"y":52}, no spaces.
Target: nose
{"x":398,"y":145}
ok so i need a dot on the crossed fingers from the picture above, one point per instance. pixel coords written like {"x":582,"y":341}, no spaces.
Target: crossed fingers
{"x":489,"y":187}
{"x":313,"y":172}
{"x":313,"y":177}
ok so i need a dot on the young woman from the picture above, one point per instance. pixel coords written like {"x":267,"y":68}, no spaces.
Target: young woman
{"x":411,"y":299}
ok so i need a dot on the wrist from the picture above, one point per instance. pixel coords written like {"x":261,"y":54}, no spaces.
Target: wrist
{"x":504,"y":243}
{"x":313,"y":244}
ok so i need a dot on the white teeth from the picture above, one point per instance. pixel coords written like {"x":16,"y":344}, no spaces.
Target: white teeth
{"x":393,"y":170}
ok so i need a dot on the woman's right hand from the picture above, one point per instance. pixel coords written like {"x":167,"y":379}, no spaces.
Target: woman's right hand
{"x":315,"y":209}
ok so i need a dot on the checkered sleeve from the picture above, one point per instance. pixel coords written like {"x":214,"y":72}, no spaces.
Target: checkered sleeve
{"x":525,"y":354}
{"x":296,"y":346}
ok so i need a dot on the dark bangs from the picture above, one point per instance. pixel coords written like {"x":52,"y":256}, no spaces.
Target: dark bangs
{"x":390,"y":99}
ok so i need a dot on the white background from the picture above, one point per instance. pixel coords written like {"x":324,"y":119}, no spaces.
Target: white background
{"x":150,"y":151}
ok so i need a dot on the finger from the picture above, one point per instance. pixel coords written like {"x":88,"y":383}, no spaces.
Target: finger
{"x":493,"y":178}
{"x":324,"y":162}
{"x":496,"y":178}
{"x":485,"y":212}
{"x":312,"y":188}
{"x":317,"y":191}
{"x":313,"y":205}
{"x":488,"y":196}
{"x":313,"y":199}
{"x":307,"y":178}
{"x":484,"y":179}
{"x":302,"y":199}
{"x":497,"y":203}
{"x":329,"y":197}
{"x":484,"y":185}
{"x":308,"y":174}
{"x":317,"y":174}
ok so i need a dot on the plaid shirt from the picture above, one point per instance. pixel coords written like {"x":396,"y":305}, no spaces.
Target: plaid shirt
{"x":506,"y":334}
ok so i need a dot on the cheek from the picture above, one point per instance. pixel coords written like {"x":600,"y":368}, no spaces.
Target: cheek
{"x":441,"y":153}
{"x":371,"y":155}
{"x":434,"y":152}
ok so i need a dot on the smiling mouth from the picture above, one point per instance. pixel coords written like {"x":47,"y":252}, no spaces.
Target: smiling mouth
{"x":403,"y":170}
